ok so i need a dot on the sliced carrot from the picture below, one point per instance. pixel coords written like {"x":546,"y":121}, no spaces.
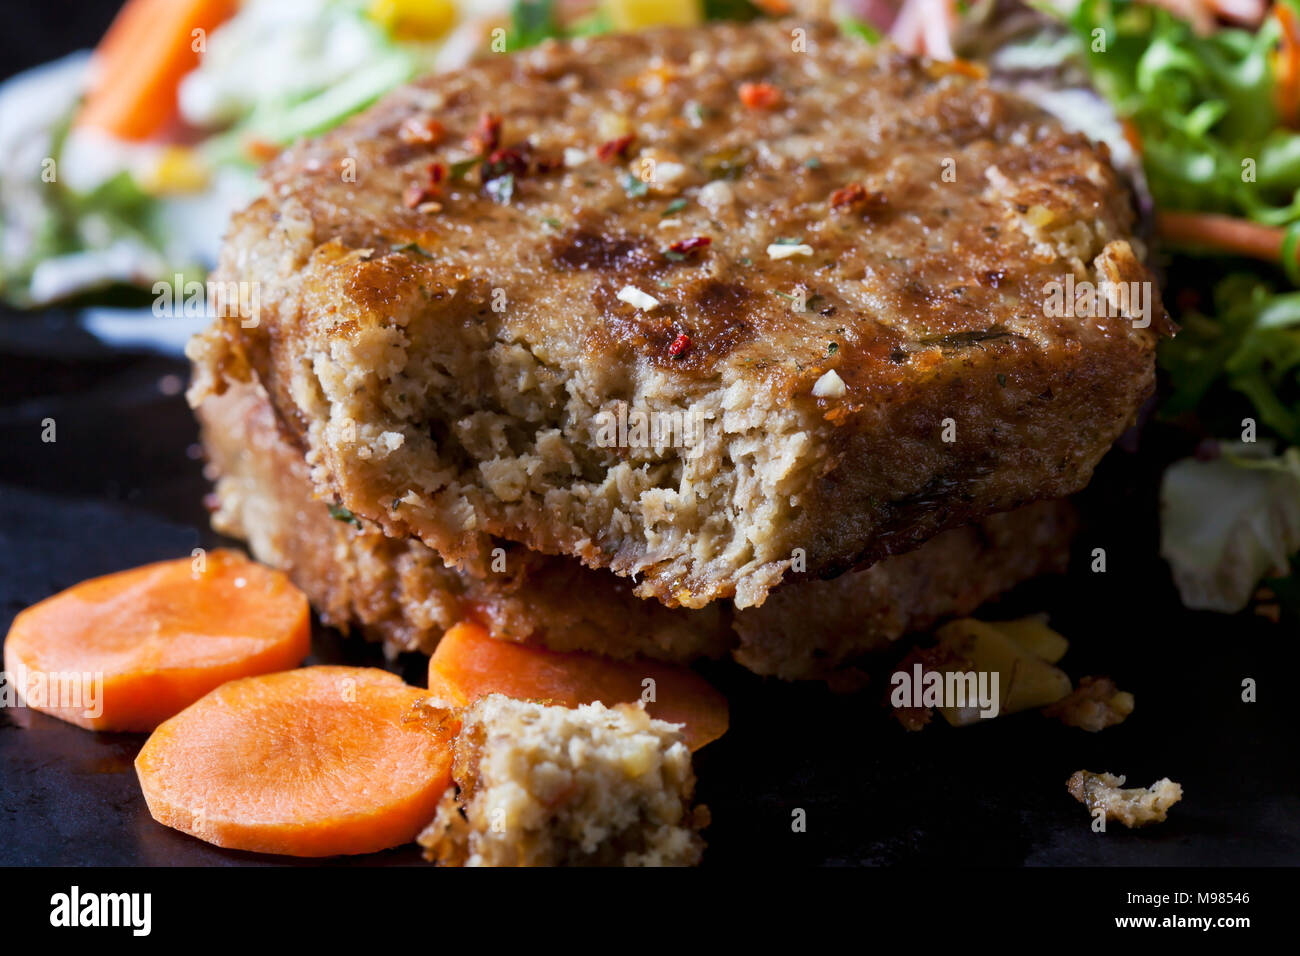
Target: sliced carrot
{"x":321,"y":761}
{"x":1287,"y":66}
{"x":141,"y":60}
{"x":128,"y":650}
{"x":469,"y":663}
{"x":1222,"y":233}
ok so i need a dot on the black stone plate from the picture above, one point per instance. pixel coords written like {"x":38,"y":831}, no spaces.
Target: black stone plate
{"x":122,"y":486}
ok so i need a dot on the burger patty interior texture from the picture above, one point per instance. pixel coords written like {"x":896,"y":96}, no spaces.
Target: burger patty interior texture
{"x":400,"y":591}
{"x":831,"y":264}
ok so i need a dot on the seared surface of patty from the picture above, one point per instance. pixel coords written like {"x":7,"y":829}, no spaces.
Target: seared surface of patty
{"x":862,"y":354}
{"x":401,"y":592}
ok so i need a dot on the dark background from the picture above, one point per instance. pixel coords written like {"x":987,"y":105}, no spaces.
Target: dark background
{"x":122,"y":486}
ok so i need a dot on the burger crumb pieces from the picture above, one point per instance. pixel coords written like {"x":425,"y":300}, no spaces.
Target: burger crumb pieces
{"x":1133,"y":808}
{"x":1092,"y":706}
{"x":760,"y":96}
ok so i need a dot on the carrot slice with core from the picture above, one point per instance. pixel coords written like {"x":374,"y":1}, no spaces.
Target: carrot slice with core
{"x":469,"y":663}
{"x":320,"y":761}
{"x":128,"y":650}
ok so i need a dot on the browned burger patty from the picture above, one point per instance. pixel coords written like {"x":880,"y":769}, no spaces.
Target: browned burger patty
{"x":834,"y":262}
{"x":401,"y":592}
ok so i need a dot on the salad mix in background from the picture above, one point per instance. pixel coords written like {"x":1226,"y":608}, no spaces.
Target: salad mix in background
{"x":124,"y":165}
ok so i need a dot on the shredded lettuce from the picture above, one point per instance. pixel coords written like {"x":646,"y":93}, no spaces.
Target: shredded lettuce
{"x":1229,"y":523}
{"x":1250,"y":346}
{"x":531,"y":22}
{"x":1202,"y":106}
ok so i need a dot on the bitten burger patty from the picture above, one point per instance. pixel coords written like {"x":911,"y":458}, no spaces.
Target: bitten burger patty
{"x":819,"y":275}
{"x":400,"y":591}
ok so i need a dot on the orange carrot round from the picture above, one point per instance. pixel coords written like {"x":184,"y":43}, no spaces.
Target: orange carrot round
{"x":469,"y":663}
{"x":128,"y":650}
{"x":321,"y":761}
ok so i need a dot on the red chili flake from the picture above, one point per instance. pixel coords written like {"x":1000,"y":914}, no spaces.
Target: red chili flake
{"x":848,"y":195}
{"x":420,"y":130}
{"x":614,"y":149}
{"x":855,"y":194}
{"x":760,"y":96}
{"x":487,"y":135}
{"x":680,"y":345}
{"x":502,"y":161}
{"x":687,"y":246}
{"x":418,"y":193}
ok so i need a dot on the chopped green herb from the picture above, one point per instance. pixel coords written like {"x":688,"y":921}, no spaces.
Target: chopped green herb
{"x":412,"y":247}
{"x":727,"y":163}
{"x":339,"y":513}
{"x":1002,"y":380}
{"x":673,"y":256}
{"x":677,"y":205}
{"x":697,"y":113}
{"x":634,"y":186}
{"x":832,"y":348}
{"x":502,"y":188}
{"x":552,"y":222}
{"x":813,"y":163}
{"x":462,"y":167}
{"x":746,"y":261}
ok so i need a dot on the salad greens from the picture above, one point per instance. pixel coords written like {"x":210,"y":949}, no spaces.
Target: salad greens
{"x":1203,"y":107}
{"x":1207,"y":112}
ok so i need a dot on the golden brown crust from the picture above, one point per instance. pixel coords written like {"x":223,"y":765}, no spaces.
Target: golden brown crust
{"x":456,"y":359}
